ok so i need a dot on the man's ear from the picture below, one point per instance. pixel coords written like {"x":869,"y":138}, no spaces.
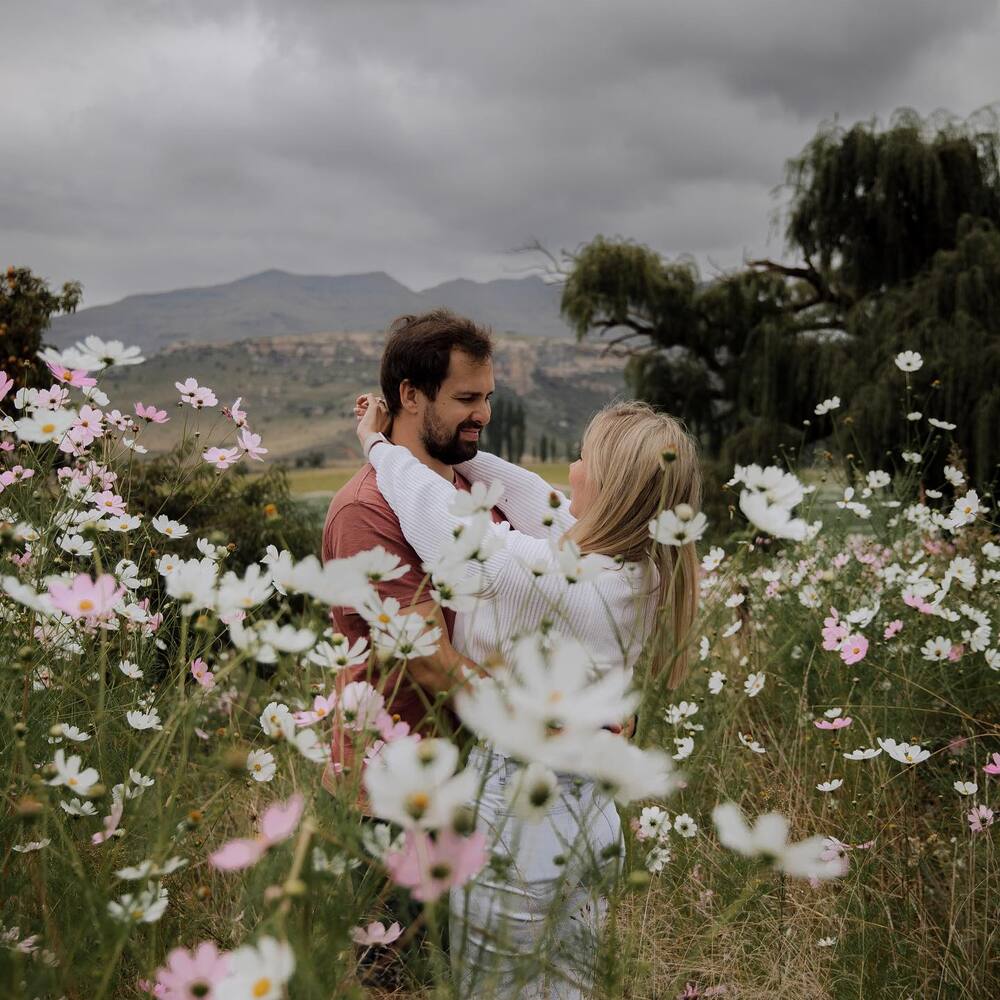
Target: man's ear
{"x":408,"y":396}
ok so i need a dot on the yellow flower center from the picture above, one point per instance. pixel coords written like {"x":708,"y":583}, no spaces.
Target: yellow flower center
{"x":384,"y":618}
{"x":48,"y":428}
{"x":71,"y":781}
{"x":262,"y":987}
{"x":86,"y":605}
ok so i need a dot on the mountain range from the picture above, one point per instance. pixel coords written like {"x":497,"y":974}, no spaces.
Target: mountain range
{"x":276,"y":303}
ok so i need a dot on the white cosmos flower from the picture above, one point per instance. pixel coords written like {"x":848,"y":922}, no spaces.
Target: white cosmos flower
{"x":685,"y":825}
{"x":750,"y":744}
{"x":193,"y":582}
{"x":754,"y":684}
{"x":144,"y":720}
{"x":768,"y":840}
{"x":680,"y":526}
{"x":172,"y":529}
{"x":145,"y":907}
{"x":685,"y":745}
{"x":261,"y":765}
{"x":257,"y":972}
{"x":339,"y":652}
{"x":653,"y":822}
{"x":715,"y":681}
{"x":733,"y":628}
{"x":72,"y":733}
{"x":533,"y":792}
{"x":954,"y":475}
{"x":877,"y":479}
{"x":287,"y":638}
{"x":937,"y":648}
{"x":966,"y":787}
{"x":47,"y":426}
{"x":76,"y":807}
{"x":576,"y":567}
{"x":129,"y":669}
{"x":453,"y":588}
{"x":310,"y":746}
{"x":479,"y":499}
{"x":414,"y":783}
{"x":713,"y":560}
{"x":965,"y":510}
{"x":68,"y":773}
{"x":359,"y":705}
{"x":624,"y":771}
{"x":904,"y":752}
{"x":941,"y":424}
{"x":827,"y":406}
{"x":277,"y":721}
{"x":913,"y":457}
{"x":909,"y":361}
{"x":830,"y":786}
{"x":774,"y":519}
{"x":95,"y":353}
{"x":76,"y":545}
{"x":242,"y":593}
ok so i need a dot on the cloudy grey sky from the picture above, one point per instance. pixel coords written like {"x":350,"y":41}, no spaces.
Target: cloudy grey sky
{"x":153,"y":145}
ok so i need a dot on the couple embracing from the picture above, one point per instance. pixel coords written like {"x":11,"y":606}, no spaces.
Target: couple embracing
{"x":528,"y":924}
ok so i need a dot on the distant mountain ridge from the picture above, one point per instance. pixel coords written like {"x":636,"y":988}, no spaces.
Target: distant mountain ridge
{"x":276,"y":303}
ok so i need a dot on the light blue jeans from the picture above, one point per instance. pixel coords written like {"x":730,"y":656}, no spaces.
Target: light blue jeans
{"x":528,"y":926}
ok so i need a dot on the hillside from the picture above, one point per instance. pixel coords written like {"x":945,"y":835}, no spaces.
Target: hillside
{"x":274,"y":303}
{"x":299,"y":389}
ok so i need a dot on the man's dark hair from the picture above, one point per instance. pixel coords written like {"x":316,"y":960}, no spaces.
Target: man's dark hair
{"x":418,"y":349}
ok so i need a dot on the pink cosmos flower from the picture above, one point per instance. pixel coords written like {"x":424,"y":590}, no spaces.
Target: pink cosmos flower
{"x":375,"y":934}
{"x":956,"y":651}
{"x":772,"y":588}
{"x":391,"y":728}
{"x":834,"y":633}
{"x":250,"y":443}
{"x":108,"y":502}
{"x":914,"y":601}
{"x":854,"y":649}
{"x":841,"y":559}
{"x":222,"y":458}
{"x":6,"y":384}
{"x":14,"y":475}
{"x":993,"y":767}
{"x":841,"y":722}
{"x":24,"y":559}
{"x":201,"y":673}
{"x":195,"y":395}
{"x":429,"y":867}
{"x":6,"y":445}
{"x":111,"y":822}
{"x":188,"y":974}
{"x":238,"y":416}
{"x":151,"y":414}
{"x":980,"y":817}
{"x":86,"y":598}
{"x":322,"y":707}
{"x":277,"y":824}
{"x":892,"y":628}
{"x":72,"y":376}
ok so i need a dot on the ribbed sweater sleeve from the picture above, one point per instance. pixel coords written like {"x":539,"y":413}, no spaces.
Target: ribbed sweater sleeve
{"x":526,"y":496}
{"x":420,"y":499}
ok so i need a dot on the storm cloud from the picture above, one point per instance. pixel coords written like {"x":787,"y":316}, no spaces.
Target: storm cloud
{"x":150,"y":145}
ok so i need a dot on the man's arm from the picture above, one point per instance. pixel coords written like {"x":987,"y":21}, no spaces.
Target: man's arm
{"x":445,"y":669}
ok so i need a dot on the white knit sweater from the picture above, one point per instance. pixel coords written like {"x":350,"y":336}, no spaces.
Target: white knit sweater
{"x":610,"y":613}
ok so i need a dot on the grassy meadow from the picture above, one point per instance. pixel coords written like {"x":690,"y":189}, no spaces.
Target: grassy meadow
{"x":166,"y":718}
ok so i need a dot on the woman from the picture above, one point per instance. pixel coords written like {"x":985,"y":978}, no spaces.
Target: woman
{"x":528,"y":927}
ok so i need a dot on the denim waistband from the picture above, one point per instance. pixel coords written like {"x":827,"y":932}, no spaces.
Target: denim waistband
{"x":501,"y":769}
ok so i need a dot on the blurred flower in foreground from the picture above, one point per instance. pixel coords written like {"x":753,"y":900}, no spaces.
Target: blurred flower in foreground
{"x":768,"y":840}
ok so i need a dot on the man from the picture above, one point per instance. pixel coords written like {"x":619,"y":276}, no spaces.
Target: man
{"x":437,"y":381}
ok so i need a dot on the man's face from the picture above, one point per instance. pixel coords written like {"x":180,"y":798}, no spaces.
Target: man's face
{"x":451,"y":423}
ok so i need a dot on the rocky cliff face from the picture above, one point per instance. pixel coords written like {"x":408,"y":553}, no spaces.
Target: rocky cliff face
{"x":299,"y":388}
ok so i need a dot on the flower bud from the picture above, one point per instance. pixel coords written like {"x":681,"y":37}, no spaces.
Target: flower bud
{"x":464,"y":821}
{"x":96,"y":791}
{"x":554,"y":501}
{"x":295,"y":887}
{"x":49,"y":771}
{"x":684,"y":511}
{"x":20,"y":728}
{"x":28,"y":807}
{"x":56,"y":729}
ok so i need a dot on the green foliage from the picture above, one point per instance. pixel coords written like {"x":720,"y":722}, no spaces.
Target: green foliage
{"x":26,"y":306}
{"x":505,"y":433}
{"x":898,"y":230}
{"x":237,"y":509}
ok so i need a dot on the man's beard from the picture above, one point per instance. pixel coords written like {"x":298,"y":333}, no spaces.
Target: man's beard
{"x":445,"y":445}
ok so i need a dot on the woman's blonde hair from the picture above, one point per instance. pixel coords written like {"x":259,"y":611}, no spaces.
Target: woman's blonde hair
{"x":639,"y":462}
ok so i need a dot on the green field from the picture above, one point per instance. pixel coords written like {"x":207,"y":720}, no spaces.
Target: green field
{"x":329,"y":479}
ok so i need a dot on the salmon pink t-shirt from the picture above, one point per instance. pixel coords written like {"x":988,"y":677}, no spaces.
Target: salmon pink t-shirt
{"x":360,"y":518}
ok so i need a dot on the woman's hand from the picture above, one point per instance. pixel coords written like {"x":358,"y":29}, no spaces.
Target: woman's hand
{"x":373,"y":417}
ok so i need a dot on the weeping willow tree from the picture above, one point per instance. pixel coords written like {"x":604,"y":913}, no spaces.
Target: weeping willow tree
{"x":894,"y":238}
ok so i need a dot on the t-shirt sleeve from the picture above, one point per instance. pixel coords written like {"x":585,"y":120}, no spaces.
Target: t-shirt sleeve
{"x":359,"y":526}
